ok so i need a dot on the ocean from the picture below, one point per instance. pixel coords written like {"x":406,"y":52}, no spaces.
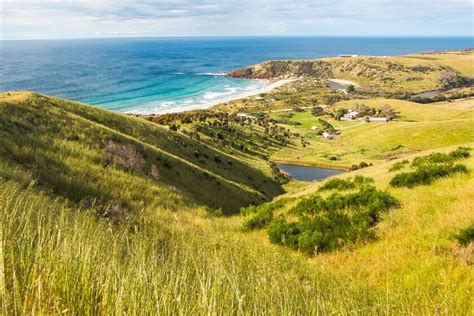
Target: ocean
{"x":154,"y":75}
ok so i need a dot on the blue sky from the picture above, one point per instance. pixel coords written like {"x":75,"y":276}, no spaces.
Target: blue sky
{"x":26,"y":19}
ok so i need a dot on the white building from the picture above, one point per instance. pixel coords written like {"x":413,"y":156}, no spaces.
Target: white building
{"x":314,"y":128}
{"x":328,"y":136}
{"x":349,"y":116}
{"x":245,"y":116}
{"x":378,"y":119}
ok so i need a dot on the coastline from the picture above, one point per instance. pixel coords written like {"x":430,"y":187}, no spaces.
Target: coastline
{"x":270,"y":85}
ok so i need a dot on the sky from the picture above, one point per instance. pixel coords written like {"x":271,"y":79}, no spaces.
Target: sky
{"x":45,"y":19}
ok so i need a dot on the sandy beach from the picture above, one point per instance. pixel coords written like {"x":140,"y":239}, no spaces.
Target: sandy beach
{"x":271,"y":85}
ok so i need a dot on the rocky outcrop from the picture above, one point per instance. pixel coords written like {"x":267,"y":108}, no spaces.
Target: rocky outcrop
{"x":285,"y":69}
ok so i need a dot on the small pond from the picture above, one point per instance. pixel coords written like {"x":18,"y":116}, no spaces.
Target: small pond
{"x":306,"y":173}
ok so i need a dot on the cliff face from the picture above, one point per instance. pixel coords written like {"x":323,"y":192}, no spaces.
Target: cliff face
{"x":285,"y":69}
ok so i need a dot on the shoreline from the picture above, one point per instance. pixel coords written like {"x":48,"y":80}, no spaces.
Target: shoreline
{"x":270,"y":85}
{"x":312,"y":165}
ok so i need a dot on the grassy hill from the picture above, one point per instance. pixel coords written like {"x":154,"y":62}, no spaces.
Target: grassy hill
{"x":62,"y":144}
{"x":104,"y":213}
{"x":414,"y":249}
{"x":418,"y":127}
{"x":444,"y":76}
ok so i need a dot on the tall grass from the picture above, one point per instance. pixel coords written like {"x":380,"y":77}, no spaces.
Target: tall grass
{"x":64,"y":260}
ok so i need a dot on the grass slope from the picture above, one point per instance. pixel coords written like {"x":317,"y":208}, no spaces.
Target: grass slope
{"x":396,"y":74}
{"x":164,"y":253}
{"x":62,"y":143}
{"x":62,"y":259}
{"x":415,"y":258}
{"x":418,"y":127}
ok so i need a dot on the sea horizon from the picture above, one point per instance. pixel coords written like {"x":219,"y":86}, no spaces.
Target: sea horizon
{"x":166,"y":74}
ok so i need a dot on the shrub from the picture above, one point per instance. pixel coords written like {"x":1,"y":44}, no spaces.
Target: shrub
{"x":434,"y":158}
{"x":451,"y":80}
{"x":426,"y":174}
{"x":317,"y":111}
{"x":337,"y":184}
{"x":398,"y":165}
{"x":283,"y":232}
{"x":260,"y":216}
{"x":361,"y":180}
{"x":345,"y":184}
{"x":333,"y":228}
{"x":259,"y":220}
{"x":125,"y":155}
{"x":154,"y":172}
{"x":367,"y":198}
{"x":466,"y":236}
{"x":460,"y":153}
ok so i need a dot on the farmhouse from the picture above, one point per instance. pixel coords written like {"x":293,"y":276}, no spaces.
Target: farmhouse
{"x":245,"y":116}
{"x":349,"y":116}
{"x":328,"y":136}
{"x":314,"y":128}
{"x":378,"y":119}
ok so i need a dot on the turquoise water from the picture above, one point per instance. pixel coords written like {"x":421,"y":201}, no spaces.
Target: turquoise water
{"x":167,"y":74}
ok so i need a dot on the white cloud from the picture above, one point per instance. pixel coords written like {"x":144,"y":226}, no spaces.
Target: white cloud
{"x":101,"y":18}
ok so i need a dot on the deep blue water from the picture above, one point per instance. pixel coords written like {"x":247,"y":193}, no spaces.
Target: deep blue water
{"x":306,"y":173}
{"x":159,"y":74}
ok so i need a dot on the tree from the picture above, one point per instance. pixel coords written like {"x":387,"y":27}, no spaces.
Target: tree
{"x":317,"y":111}
{"x":340,"y":113}
{"x":123,"y":154}
{"x":450,"y":80}
{"x":363,"y":110}
{"x":388,"y":112}
{"x":155,"y":174}
{"x":350,"y":89}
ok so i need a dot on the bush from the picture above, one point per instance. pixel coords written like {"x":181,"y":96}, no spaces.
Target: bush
{"x":431,"y":167}
{"x":323,"y":232}
{"x":260,"y":216}
{"x":434,"y":158}
{"x":331,"y":223}
{"x":466,"y":236}
{"x":259,"y":220}
{"x":368,"y":197}
{"x":426,"y":174}
{"x":361,"y":180}
{"x":282,"y":232}
{"x":345,"y":184}
{"x":317,"y":111}
{"x":126,"y":155}
{"x":398,"y":165}
{"x":337,"y":184}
